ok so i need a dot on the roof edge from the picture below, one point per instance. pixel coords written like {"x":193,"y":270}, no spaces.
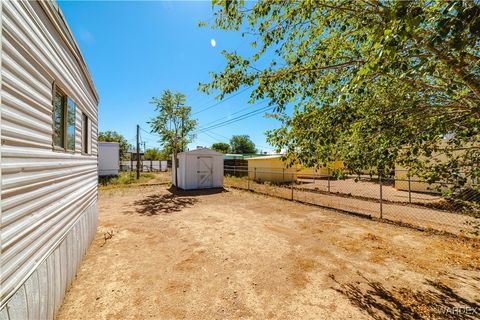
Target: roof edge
{"x":55,"y":14}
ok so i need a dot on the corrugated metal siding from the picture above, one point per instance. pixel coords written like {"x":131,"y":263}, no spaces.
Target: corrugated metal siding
{"x":42,"y":293}
{"x":44,"y":193}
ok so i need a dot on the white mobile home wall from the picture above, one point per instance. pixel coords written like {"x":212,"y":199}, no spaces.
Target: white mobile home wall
{"x":48,"y":198}
{"x":108,"y":158}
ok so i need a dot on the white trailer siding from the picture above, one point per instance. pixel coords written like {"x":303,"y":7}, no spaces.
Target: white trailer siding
{"x":48,"y":198}
{"x":108,"y":159}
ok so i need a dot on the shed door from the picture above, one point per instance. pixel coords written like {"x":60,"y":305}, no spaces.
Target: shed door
{"x":205,"y":172}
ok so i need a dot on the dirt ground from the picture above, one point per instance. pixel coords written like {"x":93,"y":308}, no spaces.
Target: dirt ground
{"x":369,"y":189}
{"x":360,"y":200}
{"x":240,"y":255}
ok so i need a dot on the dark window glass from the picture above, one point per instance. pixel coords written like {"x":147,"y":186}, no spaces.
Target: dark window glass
{"x":85,"y":133}
{"x":58,"y":138}
{"x":70,"y":124}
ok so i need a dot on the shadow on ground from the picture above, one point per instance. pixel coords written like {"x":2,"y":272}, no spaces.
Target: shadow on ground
{"x":174,"y":201}
{"x":437,"y":302}
{"x":157,"y":204}
{"x":195,"y":193}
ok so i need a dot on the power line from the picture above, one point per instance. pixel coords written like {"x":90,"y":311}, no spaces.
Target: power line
{"x":226,"y":117}
{"x":224,"y":137}
{"x":216,"y":139}
{"x":208,"y":140}
{"x":236,"y":119}
{"x":220,"y":135}
{"x":206,"y":129}
{"x":222,"y":101}
{"x":150,"y":133}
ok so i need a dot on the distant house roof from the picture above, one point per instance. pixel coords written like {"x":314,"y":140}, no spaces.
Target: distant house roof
{"x":231,"y":156}
{"x":266,"y":157}
{"x":108,"y":144}
{"x":201,"y":151}
{"x":134,"y":151}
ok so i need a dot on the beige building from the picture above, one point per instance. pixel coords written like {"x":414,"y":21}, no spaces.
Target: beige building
{"x":416,"y":184}
{"x":272,"y":168}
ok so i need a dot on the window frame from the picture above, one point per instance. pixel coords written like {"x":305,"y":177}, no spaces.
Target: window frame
{"x":67,"y":107}
{"x":58,"y":91}
{"x":64,"y":138}
{"x":86,"y":134}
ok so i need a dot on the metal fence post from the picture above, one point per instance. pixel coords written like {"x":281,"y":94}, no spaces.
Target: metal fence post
{"x":409,"y":190}
{"x":381,"y":196}
{"x":293,"y":182}
{"x":328,"y":179}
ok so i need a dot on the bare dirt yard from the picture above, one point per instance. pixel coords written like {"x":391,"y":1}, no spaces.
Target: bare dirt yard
{"x":359,"y":198}
{"x":240,"y":255}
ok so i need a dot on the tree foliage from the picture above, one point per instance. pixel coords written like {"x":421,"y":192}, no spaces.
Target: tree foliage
{"x":173,"y":123}
{"x":113,"y":136}
{"x":376,"y":83}
{"x":155,"y":154}
{"x":221,"y":147}
{"x":242,"y":144}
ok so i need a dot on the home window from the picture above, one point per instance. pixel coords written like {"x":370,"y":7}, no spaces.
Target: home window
{"x":58,"y":120}
{"x":85,"y":134}
{"x":63,"y":122}
{"x":70,"y":125}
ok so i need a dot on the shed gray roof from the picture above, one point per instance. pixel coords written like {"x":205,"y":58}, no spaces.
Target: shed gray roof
{"x":202,"y":151}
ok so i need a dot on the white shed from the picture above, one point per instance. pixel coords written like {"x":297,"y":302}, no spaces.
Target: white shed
{"x":199,"y":169}
{"x":108,"y":158}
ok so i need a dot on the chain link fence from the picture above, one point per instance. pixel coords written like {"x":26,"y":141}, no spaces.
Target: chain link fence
{"x":400,"y":199}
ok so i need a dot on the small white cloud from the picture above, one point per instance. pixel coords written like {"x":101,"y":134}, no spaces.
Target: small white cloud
{"x":213,"y":43}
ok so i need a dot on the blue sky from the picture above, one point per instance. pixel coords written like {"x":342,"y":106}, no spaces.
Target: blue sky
{"x":135,"y":50}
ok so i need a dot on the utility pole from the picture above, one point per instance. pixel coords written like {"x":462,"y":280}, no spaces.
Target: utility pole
{"x":181,"y":135}
{"x":138,"y":152}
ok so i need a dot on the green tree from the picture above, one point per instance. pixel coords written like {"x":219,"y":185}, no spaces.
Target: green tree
{"x":155,"y":154}
{"x":373,"y":84}
{"x":242,"y":144}
{"x":173,"y":123}
{"x":113,"y":136}
{"x":221,"y":147}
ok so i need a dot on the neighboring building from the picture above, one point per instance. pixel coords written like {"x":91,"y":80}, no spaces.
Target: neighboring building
{"x":272,"y":168}
{"x":414,"y":183}
{"x":130,"y":164}
{"x":108,"y":159}
{"x":323,"y":171}
{"x":48,"y":159}
{"x":132,"y":154}
{"x":199,"y":169}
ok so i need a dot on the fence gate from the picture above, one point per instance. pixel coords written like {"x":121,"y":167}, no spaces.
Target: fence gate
{"x":205,"y":172}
